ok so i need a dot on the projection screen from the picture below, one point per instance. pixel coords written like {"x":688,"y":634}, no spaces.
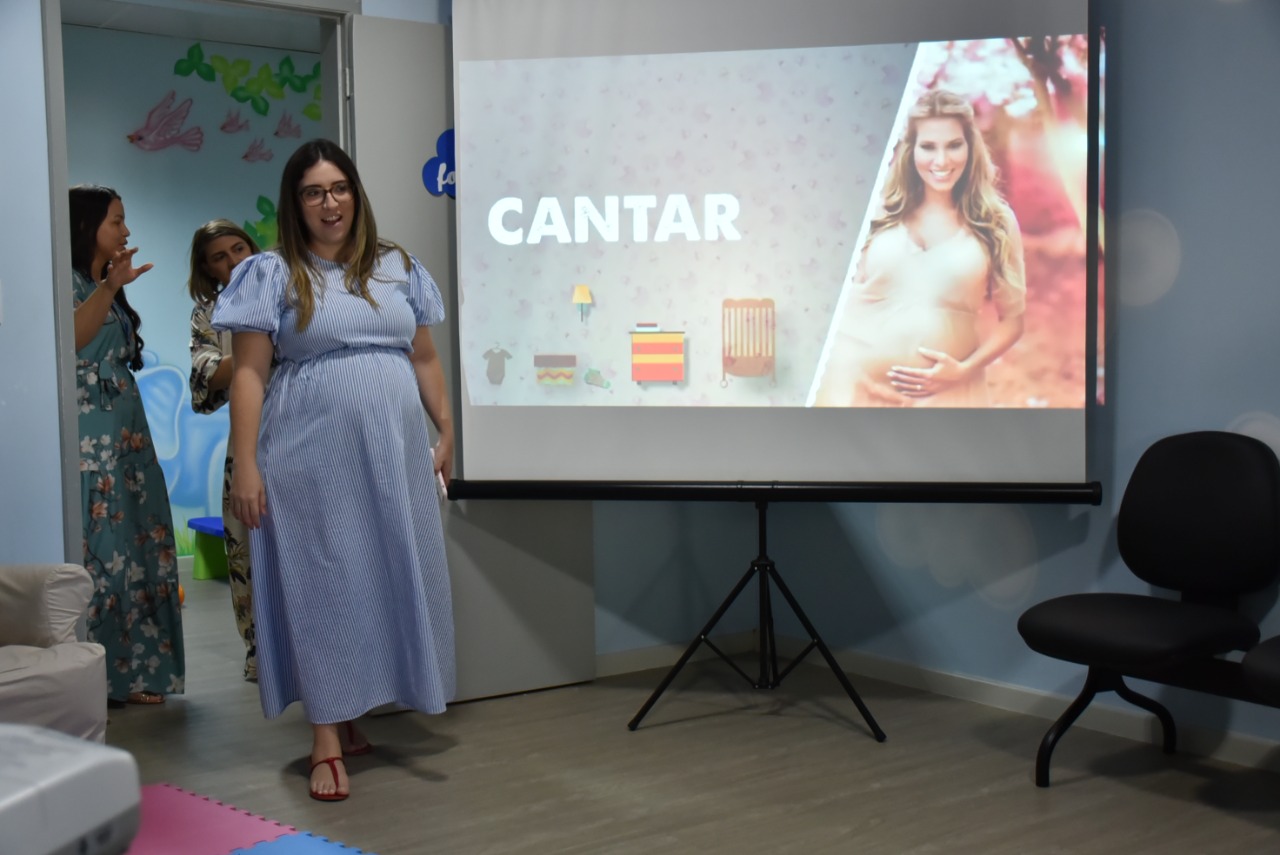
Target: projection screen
{"x":705,"y":240}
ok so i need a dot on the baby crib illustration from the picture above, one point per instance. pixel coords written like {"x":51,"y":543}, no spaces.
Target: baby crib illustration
{"x":748,"y":329}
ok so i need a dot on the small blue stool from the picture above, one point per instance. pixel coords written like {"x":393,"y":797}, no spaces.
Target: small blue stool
{"x":210,"y":553}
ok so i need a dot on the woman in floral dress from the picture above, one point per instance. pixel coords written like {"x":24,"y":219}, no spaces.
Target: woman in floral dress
{"x":128,"y":527}
{"x":216,"y":248}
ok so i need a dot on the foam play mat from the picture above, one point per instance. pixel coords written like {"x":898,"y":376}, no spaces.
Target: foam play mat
{"x":174,"y":820}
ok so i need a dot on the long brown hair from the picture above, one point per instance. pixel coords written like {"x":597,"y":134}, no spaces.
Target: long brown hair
{"x":362,"y":249}
{"x":203,"y":287}
{"x":89,"y":204}
{"x":976,"y":199}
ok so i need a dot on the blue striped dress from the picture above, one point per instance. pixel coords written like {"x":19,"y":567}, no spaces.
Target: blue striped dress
{"x":350,"y":585}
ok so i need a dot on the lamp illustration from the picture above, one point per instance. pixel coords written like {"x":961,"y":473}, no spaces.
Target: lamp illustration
{"x":582,"y":299}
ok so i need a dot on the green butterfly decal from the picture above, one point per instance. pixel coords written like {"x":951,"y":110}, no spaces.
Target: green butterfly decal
{"x":265,"y":82}
{"x":252,"y":90}
{"x":232,"y":72}
{"x":287,"y":76}
{"x":194,"y":61}
{"x":312,"y":110}
{"x":245,"y":94}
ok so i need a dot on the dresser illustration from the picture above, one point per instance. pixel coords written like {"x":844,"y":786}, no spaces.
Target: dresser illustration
{"x":657,"y":355}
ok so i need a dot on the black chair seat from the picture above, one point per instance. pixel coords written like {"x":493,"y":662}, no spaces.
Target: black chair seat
{"x":1130,"y":633}
{"x":1261,"y":667}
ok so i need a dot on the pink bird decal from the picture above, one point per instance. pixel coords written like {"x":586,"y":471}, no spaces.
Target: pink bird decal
{"x":233,"y":124}
{"x":257,"y":151}
{"x":163,"y":127}
{"x":287,"y":127}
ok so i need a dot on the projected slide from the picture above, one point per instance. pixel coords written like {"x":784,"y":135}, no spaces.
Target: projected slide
{"x":887,"y":225}
{"x":783,"y":241}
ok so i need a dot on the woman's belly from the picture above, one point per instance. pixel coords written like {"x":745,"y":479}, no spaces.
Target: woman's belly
{"x":356,"y":396}
{"x":889,"y":334}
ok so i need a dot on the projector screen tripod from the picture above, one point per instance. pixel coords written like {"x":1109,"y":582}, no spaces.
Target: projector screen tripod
{"x":764,"y":571}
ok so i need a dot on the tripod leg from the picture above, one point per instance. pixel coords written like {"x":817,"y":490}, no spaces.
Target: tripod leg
{"x":768,"y":651}
{"x":693,"y":646}
{"x":826,"y":654}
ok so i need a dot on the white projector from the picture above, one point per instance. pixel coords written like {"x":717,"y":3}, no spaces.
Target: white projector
{"x":59,"y":794}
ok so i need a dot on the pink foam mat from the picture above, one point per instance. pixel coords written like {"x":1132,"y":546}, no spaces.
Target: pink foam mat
{"x":174,"y":820}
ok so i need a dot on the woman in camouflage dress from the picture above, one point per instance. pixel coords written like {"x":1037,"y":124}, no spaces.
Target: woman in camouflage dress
{"x":216,"y":248}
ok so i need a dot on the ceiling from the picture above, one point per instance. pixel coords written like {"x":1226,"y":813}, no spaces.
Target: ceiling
{"x":203,"y":20}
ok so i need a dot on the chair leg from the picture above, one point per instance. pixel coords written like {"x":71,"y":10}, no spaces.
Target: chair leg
{"x":1154,"y":707}
{"x":1100,"y":680}
{"x":1059,"y":727}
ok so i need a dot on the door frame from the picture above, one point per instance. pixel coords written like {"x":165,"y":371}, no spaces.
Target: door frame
{"x":338,"y":46}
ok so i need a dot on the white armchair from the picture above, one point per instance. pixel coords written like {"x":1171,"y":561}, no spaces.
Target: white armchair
{"x":47,"y":676}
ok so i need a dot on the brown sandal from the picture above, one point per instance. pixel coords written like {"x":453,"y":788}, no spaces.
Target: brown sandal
{"x":145,"y":698}
{"x":333,"y":770}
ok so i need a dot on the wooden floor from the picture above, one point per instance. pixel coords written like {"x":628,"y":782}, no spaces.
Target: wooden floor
{"x":714,"y":767}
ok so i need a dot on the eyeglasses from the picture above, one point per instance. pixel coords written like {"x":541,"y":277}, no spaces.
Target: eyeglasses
{"x":313,"y":194}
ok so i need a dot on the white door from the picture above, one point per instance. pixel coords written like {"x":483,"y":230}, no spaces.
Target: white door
{"x":523,"y":593}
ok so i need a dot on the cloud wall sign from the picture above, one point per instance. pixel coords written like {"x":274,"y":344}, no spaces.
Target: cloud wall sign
{"x":438,"y":174}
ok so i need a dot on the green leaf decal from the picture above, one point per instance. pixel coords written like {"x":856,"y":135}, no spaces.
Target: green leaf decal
{"x":254,"y":90}
{"x":265,"y":77}
{"x":266,"y":207}
{"x":255,"y":234}
{"x":265,"y":232}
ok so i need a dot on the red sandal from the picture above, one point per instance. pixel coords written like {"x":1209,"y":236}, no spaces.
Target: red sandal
{"x":333,"y":770}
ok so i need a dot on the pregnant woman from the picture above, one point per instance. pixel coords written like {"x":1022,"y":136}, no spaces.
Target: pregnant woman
{"x":333,"y":470}
{"x":945,"y":244}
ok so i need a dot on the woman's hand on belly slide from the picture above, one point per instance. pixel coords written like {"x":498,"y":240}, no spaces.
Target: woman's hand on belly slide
{"x":945,"y":372}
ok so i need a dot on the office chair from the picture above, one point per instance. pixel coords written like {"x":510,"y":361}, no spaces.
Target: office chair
{"x":1199,"y":517}
{"x":1261,"y":667}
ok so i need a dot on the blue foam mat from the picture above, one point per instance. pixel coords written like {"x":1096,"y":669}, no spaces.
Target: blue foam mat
{"x":301,"y":843}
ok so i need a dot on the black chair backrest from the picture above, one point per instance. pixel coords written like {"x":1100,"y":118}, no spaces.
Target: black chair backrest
{"x":1201,"y":515}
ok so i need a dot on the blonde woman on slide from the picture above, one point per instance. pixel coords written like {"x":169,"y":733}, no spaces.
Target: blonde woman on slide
{"x":945,"y":245}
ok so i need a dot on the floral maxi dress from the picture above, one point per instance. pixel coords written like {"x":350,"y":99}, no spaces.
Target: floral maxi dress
{"x":128,"y":526}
